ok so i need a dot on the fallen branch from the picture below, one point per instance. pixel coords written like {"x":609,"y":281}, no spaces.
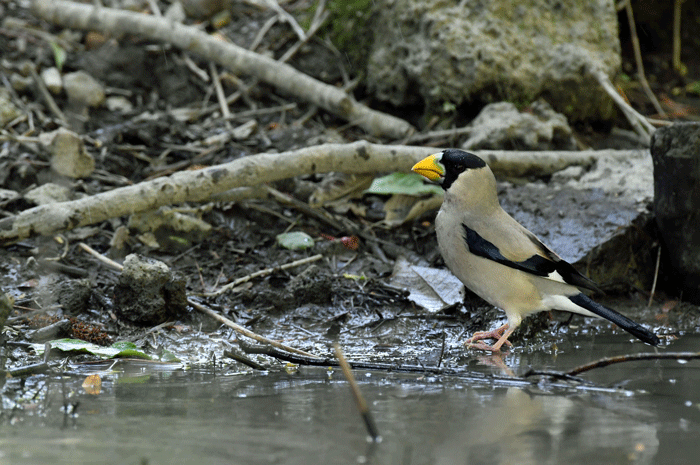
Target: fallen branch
{"x":237,"y":59}
{"x":264,"y":272}
{"x":201,"y":185}
{"x":604,"y":362}
{"x":246,"y":332}
{"x":638,"y":122}
{"x":465,"y":374}
{"x":360,"y":401}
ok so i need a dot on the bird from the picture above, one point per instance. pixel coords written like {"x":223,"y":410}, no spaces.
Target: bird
{"x":498,"y":259}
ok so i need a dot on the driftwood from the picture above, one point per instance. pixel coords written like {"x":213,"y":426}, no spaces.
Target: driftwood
{"x":237,"y":59}
{"x":201,"y":185}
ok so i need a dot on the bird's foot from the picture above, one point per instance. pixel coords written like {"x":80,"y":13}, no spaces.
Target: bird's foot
{"x":501,"y":334}
{"x":482,"y":346}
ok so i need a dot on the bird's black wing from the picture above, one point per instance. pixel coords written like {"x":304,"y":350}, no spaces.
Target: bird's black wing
{"x":547,"y":265}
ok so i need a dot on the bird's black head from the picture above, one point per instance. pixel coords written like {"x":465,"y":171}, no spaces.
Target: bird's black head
{"x":456,"y":162}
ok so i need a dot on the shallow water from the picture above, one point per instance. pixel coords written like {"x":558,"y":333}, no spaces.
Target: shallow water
{"x":640,"y":412}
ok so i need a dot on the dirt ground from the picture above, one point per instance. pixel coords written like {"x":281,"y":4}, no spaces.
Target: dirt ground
{"x":343,"y":297}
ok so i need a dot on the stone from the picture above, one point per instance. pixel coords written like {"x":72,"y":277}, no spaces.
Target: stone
{"x":436,"y":52}
{"x":73,"y":295}
{"x":84,"y":89}
{"x":8,"y":110}
{"x":500,"y":126}
{"x":119,"y":103}
{"x":676,"y":157}
{"x":52,"y":80}
{"x":68,"y":155}
{"x":148,"y":293}
{"x":48,"y":193}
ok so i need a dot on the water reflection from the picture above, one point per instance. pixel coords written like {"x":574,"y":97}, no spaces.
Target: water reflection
{"x":143,"y":414}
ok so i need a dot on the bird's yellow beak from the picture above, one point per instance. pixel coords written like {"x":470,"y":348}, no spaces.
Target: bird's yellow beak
{"x":430,"y":167}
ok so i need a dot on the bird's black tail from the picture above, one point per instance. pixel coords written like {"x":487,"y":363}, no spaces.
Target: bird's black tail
{"x":632,"y":327}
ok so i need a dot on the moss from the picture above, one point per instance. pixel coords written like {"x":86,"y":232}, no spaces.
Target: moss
{"x":349,"y":29}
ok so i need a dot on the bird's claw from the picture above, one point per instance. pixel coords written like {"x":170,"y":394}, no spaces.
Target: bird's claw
{"x":494,"y":334}
{"x":481,"y":346}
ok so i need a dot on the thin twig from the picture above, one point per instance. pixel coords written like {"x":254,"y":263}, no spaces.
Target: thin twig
{"x":603,"y":362}
{"x":264,"y":272}
{"x":677,"y":65}
{"x":464,"y":374}
{"x":274,"y":352}
{"x":246,"y":332}
{"x":46,"y":95}
{"x":261,"y":33}
{"x":263,"y":111}
{"x":315,"y":26}
{"x":557,"y":375}
{"x":640,"y":65}
{"x":244,"y":360}
{"x":287,"y":18}
{"x":638,"y":122}
{"x":360,"y":402}
{"x":656,"y":276}
{"x":192,"y":66}
{"x":220,"y":96}
{"x":107,"y":261}
{"x":153,"y":5}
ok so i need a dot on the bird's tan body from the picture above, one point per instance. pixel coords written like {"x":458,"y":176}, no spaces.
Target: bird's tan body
{"x":500,"y":260}
{"x":516,"y":293}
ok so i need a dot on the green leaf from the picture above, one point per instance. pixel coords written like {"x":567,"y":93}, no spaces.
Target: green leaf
{"x":295,"y":240}
{"x":59,"y":55}
{"x":168,"y":356}
{"x":402,"y":183}
{"x":693,"y":87}
{"x":118,"y":349}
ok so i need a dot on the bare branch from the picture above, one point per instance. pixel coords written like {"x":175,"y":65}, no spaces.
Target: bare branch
{"x":237,"y":59}
{"x":201,"y":185}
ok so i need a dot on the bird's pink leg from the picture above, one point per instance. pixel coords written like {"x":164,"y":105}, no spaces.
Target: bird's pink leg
{"x":501,"y":334}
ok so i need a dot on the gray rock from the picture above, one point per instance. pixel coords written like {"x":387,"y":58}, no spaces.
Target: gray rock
{"x":48,"y":193}
{"x":52,"y":80}
{"x":73,"y":295}
{"x":119,"y":103}
{"x":500,"y":126}
{"x":8,"y":110}
{"x":69,"y":157}
{"x":598,"y":220}
{"x":445,"y":52}
{"x":148,"y":293}
{"x":84,"y":89}
{"x":677,"y":203}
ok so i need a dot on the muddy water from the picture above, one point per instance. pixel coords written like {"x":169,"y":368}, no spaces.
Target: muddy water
{"x":641,"y":412}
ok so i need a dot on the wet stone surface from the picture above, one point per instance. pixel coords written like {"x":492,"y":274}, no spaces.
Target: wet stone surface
{"x":344,"y":297}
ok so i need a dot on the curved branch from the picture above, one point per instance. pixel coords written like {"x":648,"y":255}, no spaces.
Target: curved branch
{"x":603,"y":362}
{"x":239,"y":60}
{"x":201,"y":185}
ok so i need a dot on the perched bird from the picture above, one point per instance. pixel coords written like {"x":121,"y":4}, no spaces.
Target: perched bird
{"x":500,"y":260}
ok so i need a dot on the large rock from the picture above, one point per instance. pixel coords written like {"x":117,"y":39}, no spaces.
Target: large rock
{"x":500,"y":126}
{"x":676,"y":153}
{"x":596,"y":219}
{"x":148,"y":293}
{"x":440,"y":52}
